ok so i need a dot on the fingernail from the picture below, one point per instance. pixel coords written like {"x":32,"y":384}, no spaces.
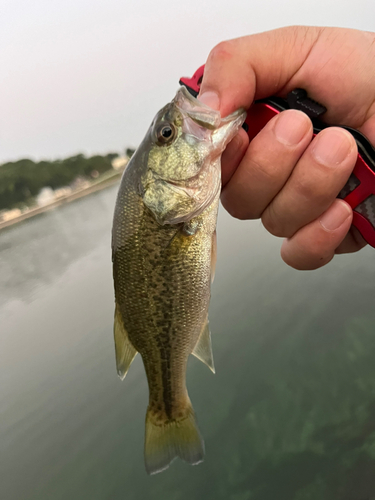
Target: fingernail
{"x":291,"y":127}
{"x":335,"y":216}
{"x":210,"y":99}
{"x":331,"y":146}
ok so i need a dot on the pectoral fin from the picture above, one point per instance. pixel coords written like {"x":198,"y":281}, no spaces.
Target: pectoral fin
{"x":203,"y":348}
{"x":125,"y":352}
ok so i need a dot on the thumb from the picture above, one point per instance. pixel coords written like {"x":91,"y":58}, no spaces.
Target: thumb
{"x":256,"y":66}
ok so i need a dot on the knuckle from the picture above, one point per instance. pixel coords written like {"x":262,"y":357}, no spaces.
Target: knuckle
{"x":272,"y":223}
{"x":305,"y":189}
{"x":310,"y":189}
{"x":222,"y":51}
{"x":235,"y":210}
{"x":261,"y":166}
{"x":238,"y":206}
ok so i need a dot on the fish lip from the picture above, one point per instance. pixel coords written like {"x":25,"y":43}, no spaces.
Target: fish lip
{"x":200,"y":112}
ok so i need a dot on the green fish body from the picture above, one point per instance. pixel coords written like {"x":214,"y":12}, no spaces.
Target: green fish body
{"x":164,"y":252}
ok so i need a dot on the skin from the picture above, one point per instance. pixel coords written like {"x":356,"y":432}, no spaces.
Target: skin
{"x":283,"y":176}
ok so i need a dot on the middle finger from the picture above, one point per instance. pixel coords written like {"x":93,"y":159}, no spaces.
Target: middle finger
{"x":314,"y":184}
{"x":266,"y":166}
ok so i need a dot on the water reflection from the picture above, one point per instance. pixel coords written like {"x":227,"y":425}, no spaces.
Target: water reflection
{"x":34,"y":253}
{"x":290,"y":413}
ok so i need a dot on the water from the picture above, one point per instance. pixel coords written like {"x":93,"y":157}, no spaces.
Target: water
{"x":289,"y":415}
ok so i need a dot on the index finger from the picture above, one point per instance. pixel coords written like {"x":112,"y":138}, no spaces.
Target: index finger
{"x":255,"y":66}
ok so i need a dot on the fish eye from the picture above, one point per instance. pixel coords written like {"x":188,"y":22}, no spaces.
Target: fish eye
{"x":165,"y":133}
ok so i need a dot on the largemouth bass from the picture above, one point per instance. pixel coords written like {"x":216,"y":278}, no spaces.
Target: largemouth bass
{"x":164,"y":253}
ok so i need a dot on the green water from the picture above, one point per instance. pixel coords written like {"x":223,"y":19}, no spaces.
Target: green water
{"x":289,"y":415}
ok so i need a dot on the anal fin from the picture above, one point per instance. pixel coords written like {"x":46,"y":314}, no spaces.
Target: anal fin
{"x":203,"y":348}
{"x":125,"y":352}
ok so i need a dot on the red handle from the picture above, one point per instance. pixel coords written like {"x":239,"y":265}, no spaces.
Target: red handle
{"x":359,"y":192}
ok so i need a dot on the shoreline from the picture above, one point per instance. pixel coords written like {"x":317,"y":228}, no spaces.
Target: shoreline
{"x":97,"y":186}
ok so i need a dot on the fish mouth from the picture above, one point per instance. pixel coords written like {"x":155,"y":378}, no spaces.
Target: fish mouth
{"x":200,"y":113}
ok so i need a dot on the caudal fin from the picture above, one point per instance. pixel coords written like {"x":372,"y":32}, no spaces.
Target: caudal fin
{"x":166,"y":441}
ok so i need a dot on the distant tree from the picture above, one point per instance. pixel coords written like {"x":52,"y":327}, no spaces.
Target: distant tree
{"x":24,"y":178}
{"x":129,"y":152}
{"x":111,"y":156}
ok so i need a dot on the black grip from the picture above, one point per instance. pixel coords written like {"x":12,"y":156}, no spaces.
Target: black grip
{"x":298,"y":99}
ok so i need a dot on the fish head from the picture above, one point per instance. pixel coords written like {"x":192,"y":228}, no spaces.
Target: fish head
{"x":182,"y":174}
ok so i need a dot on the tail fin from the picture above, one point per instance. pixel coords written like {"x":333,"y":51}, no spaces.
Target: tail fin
{"x":168,"y":440}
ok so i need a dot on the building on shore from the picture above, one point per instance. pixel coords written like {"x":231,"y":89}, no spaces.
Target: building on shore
{"x":120,"y":162}
{"x":6,"y":215}
{"x":62,"y":192}
{"x":45,"y":197}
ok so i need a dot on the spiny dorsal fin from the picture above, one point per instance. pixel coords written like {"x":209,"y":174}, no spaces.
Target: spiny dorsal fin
{"x":203,"y":348}
{"x":213,"y":255}
{"x":125,"y":352}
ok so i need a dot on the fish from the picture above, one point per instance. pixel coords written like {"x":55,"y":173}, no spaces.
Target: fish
{"x":164,"y":255}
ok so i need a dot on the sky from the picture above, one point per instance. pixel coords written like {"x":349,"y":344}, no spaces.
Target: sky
{"x":88,"y":76}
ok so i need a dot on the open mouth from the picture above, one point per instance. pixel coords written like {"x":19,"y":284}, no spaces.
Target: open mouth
{"x":196,"y":110}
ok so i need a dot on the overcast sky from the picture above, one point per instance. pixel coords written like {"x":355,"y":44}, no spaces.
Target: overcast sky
{"x":89,"y":75}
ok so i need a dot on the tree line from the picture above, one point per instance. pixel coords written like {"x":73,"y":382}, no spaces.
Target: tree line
{"x":22,"y":180}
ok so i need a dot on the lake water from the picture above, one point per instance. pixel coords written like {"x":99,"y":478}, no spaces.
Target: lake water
{"x":289,"y":415}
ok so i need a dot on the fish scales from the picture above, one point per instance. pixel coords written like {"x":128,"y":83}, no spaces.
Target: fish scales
{"x":161,"y":264}
{"x":164,"y":224}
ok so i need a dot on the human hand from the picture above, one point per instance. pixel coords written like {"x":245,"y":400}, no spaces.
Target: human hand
{"x":283,"y":177}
